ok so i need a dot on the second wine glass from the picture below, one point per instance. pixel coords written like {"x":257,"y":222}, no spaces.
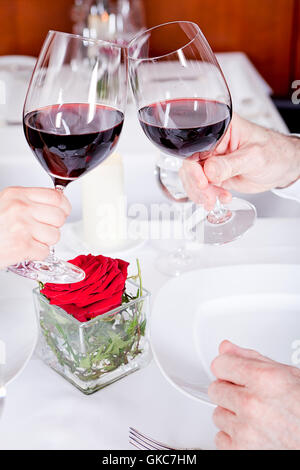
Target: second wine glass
{"x":185,"y":108}
{"x":73,"y":118}
{"x":182,"y":259}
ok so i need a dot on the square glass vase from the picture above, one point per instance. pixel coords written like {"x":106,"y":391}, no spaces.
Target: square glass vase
{"x":96,"y":353}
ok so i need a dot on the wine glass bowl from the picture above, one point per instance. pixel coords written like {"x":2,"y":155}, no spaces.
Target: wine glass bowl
{"x":185,"y":108}
{"x":73,"y":117}
{"x":112,"y":20}
{"x":68,"y":140}
{"x":168,"y":180}
{"x":181,"y":138}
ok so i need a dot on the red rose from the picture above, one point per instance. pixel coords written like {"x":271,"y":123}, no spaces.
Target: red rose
{"x":100,"y":291}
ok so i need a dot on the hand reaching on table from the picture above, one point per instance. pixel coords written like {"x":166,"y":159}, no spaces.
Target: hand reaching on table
{"x":30,"y":219}
{"x":258,"y":401}
{"x":249,"y":159}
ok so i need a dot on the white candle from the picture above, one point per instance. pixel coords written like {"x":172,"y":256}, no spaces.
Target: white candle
{"x":104,"y":206}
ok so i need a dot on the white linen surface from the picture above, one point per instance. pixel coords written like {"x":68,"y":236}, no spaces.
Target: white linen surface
{"x":43,"y":411}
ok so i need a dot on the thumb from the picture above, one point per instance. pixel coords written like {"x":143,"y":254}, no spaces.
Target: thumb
{"x":228,"y":347}
{"x":219,"y":169}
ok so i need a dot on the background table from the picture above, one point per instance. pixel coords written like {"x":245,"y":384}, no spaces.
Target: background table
{"x":251,"y":99}
{"x":43,"y":411}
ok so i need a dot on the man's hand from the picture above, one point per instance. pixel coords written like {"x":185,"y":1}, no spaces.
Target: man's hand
{"x":258,"y":401}
{"x":30,"y":219}
{"x":249,"y":159}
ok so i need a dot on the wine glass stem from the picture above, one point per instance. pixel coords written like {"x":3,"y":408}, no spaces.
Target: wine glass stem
{"x":220,"y":215}
{"x":52,"y":258}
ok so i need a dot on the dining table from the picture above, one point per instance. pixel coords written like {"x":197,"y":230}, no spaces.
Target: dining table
{"x":44,"y":411}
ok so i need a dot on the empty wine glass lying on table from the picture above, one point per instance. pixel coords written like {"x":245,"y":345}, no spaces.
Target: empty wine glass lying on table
{"x":185,"y":108}
{"x":73,"y":118}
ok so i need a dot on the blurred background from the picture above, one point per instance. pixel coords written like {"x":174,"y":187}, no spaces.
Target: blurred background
{"x":257,"y":44}
{"x":268,"y":31}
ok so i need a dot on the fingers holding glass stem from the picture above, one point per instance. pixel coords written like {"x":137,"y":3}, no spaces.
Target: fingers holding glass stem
{"x":227,"y":219}
{"x":35,"y":216}
{"x":71,"y":129}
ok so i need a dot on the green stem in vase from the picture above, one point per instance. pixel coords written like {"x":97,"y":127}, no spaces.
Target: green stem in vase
{"x":111,"y":342}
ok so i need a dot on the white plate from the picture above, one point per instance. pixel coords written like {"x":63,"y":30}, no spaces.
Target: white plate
{"x":73,"y":241}
{"x":255,"y":306}
{"x":15,"y":74}
{"x":18,"y":325}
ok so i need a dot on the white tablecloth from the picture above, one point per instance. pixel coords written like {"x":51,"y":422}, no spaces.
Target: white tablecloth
{"x":43,"y":411}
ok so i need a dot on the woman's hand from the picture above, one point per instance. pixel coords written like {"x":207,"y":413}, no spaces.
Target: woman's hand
{"x":258,"y":401}
{"x":30,"y":219}
{"x":249,"y":159}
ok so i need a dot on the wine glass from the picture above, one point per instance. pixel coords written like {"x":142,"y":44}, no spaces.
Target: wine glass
{"x":73,"y":117}
{"x":185,"y":108}
{"x":116,"y":21}
{"x":180,"y":260}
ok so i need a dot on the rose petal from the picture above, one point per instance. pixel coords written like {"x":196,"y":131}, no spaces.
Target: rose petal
{"x":100,"y":291}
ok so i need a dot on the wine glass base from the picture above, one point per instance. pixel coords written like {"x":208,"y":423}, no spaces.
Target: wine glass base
{"x":243,"y":216}
{"x":177,"y":263}
{"x":54,"y":272}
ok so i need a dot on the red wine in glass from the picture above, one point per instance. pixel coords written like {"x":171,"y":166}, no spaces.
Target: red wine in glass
{"x":186,"y":128}
{"x":71,"y":139}
{"x":73,"y":117}
{"x":185,"y":108}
